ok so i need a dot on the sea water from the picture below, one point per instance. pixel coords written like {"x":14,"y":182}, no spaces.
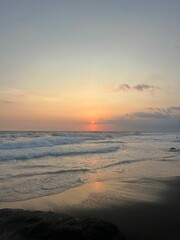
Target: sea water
{"x":34,"y":164}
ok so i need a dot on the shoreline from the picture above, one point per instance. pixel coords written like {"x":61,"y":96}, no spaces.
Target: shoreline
{"x":141,"y":208}
{"x":125,"y":187}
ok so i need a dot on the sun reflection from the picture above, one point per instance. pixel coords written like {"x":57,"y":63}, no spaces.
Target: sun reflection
{"x":95,"y":176}
{"x":97,"y":186}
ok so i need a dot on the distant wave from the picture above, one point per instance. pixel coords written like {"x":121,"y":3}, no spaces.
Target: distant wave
{"x":24,"y":140}
{"x":25,"y":156}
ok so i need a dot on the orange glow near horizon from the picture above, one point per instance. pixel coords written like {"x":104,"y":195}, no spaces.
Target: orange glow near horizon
{"x":92,"y":126}
{"x":95,"y":126}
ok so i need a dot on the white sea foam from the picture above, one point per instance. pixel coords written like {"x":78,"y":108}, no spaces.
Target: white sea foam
{"x":43,"y":142}
{"x":20,"y":140}
{"x":61,"y":153}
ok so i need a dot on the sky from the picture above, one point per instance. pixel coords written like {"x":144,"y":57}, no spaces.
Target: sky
{"x":90,"y":65}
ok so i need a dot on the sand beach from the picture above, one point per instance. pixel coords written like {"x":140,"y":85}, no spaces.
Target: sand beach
{"x":140,"y":208}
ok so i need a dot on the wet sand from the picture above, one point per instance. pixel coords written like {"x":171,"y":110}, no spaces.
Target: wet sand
{"x":141,"y":208}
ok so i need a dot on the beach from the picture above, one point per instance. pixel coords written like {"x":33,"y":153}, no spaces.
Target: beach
{"x":140,"y":208}
{"x":128,"y":179}
{"x":89,"y":120}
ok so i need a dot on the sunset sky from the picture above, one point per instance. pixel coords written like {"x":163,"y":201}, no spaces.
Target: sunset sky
{"x":90,"y":65}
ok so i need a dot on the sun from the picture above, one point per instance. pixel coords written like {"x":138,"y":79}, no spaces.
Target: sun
{"x":92,"y":125}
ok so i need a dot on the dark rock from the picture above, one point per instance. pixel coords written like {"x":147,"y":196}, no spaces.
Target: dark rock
{"x":19,"y":224}
{"x":172,"y":149}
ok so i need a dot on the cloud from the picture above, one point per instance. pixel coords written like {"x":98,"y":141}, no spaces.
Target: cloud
{"x":153,"y":119}
{"x":139,"y":88}
{"x":174,"y":109}
{"x":12,"y":95}
{"x":150,"y":115}
{"x":6,"y":102}
{"x":158,"y":113}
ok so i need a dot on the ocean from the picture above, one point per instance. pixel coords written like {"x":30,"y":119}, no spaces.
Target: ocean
{"x":34,"y":164}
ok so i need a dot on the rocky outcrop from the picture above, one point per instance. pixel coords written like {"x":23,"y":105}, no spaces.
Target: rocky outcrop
{"x":19,"y":224}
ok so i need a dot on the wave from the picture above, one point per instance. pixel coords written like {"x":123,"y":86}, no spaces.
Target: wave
{"x":46,"y":142}
{"x":107,"y":141}
{"x":36,"y":166}
{"x":135,"y":161}
{"x":22,"y":140}
{"x":124,"y":162}
{"x":48,"y":173}
{"x":49,"y":140}
{"x":31,"y":155}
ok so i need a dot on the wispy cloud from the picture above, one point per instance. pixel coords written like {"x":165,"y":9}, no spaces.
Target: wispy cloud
{"x":6,"y":102}
{"x":12,"y":95}
{"x":138,"y":87}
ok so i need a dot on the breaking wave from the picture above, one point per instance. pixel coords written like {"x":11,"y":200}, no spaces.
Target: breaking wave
{"x":31,"y":155}
{"x":46,"y":142}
